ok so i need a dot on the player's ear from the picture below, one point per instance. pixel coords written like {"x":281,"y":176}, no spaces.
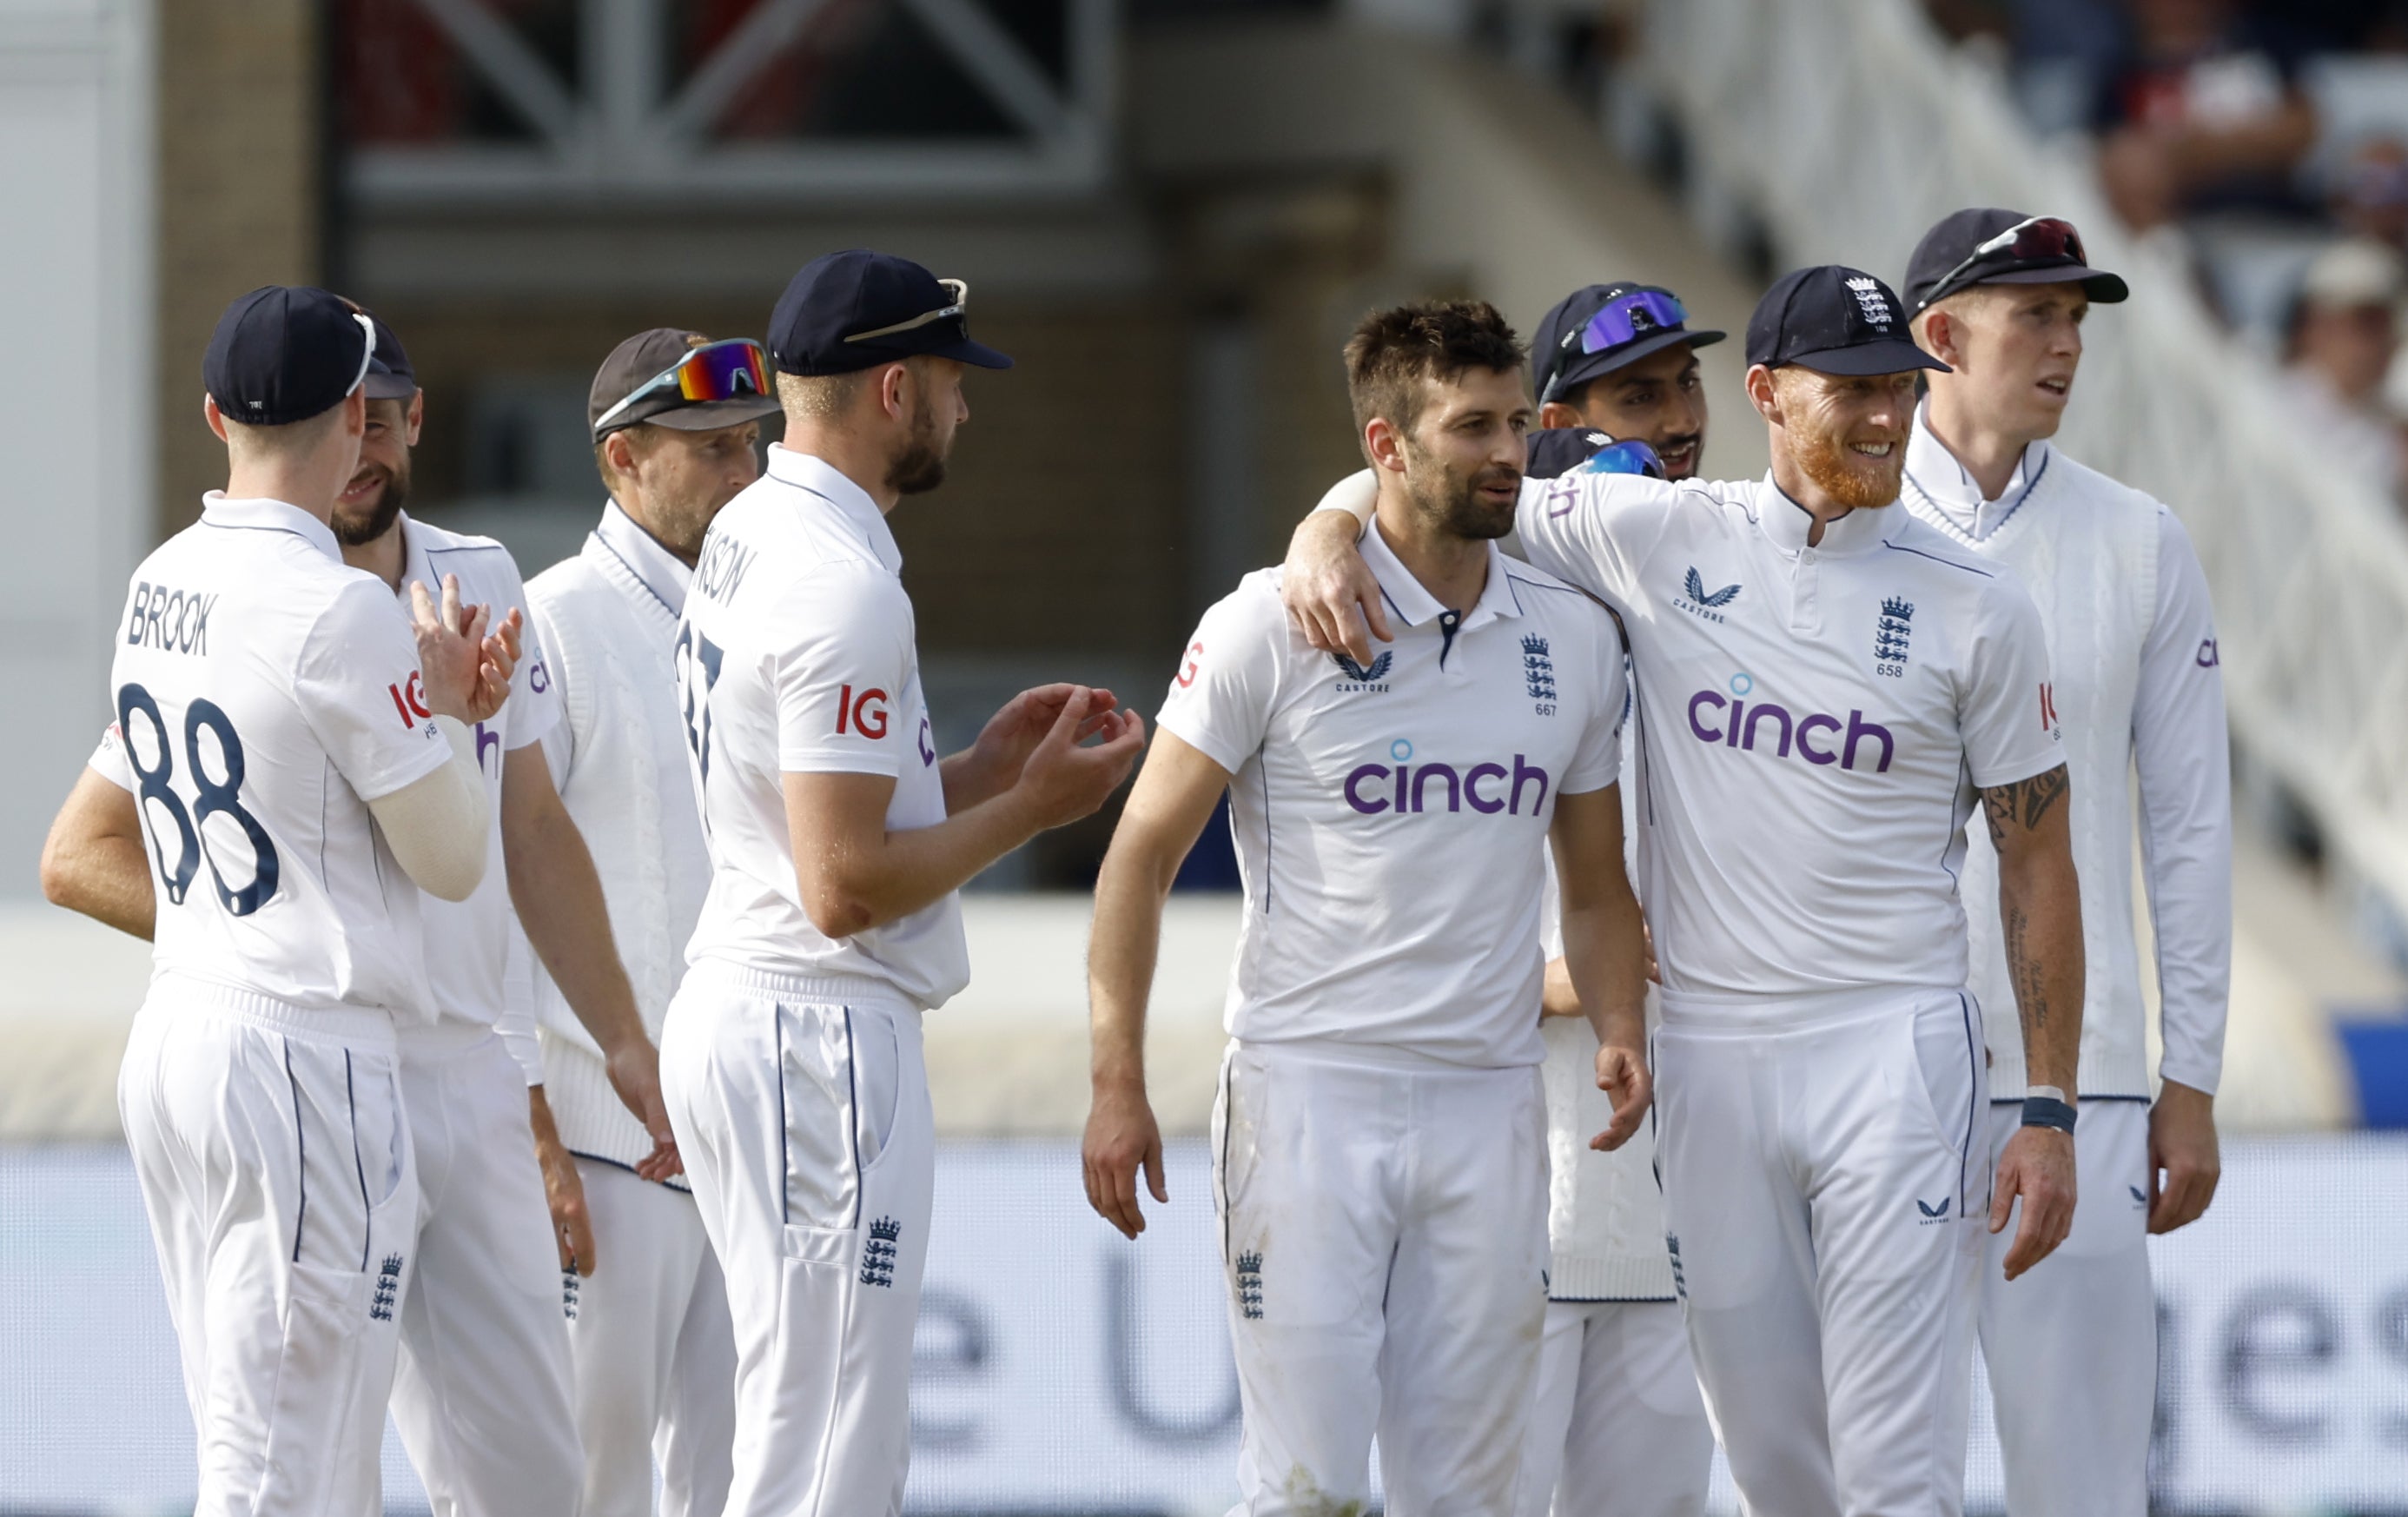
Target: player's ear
{"x":1763,"y":393}
{"x":1937,"y":335}
{"x":1554,"y":415}
{"x":215,"y":418}
{"x":1384,"y":444}
{"x":894,"y":388}
{"x":417,"y":418}
{"x":355,"y":412}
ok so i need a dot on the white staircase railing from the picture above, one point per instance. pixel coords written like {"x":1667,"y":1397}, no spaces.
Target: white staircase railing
{"x":1851,"y":126}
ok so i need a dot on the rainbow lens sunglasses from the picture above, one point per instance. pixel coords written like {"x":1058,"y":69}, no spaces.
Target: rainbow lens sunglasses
{"x":714,"y":371}
{"x":1626,"y":318}
{"x":1630,"y":456}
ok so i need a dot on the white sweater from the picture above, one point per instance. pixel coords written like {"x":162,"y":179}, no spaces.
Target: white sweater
{"x":2138,"y":685}
{"x":610,"y":617}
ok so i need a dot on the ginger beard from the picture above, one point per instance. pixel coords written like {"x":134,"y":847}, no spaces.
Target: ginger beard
{"x":1825,"y":447}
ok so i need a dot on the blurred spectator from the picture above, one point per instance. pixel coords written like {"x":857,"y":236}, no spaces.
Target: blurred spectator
{"x":2202,"y":112}
{"x":2370,"y":195}
{"x":2343,"y":331}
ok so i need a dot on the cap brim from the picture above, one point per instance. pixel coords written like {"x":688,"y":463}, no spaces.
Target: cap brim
{"x":1889,"y":356}
{"x":386,"y":385}
{"x":711,"y":415}
{"x":2104,"y":288}
{"x":976,"y":353}
{"x":1591,"y":365}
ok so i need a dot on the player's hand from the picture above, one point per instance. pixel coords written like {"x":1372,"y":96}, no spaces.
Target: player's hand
{"x":2184,"y":1164}
{"x":1622,"y":1074}
{"x":465,"y":659}
{"x":1330,"y":594}
{"x":634,"y":1069}
{"x":572,"y":1230}
{"x":2037,"y":1169}
{"x":1121,"y":1137}
{"x":1063,"y":780}
{"x":1014,"y":732}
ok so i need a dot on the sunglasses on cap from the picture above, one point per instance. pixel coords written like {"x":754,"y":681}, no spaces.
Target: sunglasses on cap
{"x":958,"y":309}
{"x":1626,"y":318}
{"x":1630,"y":456}
{"x":714,"y":371}
{"x":2035,"y":238}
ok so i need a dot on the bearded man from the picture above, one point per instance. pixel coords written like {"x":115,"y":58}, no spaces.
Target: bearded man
{"x":1826,"y":688}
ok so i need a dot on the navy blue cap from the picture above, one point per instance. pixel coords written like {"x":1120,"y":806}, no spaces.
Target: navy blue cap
{"x":1557,"y":361}
{"x":856,"y":309}
{"x":390,"y":375}
{"x":1833,"y":320}
{"x":284,"y":353}
{"x":1959,"y":252}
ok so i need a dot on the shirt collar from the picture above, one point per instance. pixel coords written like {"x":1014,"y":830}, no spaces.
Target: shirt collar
{"x":1934,"y":472}
{"x":219,"y":509}
{"x":1415,"y":604}
{"x":1787,"y":522}
{"x":807,"y":472}
{"x":655,"y":568}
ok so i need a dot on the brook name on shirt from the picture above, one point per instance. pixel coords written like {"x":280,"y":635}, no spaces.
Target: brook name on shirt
{"x":172,"y":621}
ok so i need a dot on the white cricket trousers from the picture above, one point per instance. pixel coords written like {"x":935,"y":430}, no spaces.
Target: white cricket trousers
{"x":274,"y":1159}
{"x":654,"y":1350}
{"x":1385,"y":1243}
{"x":801,"y":1108}
{"x":2073,"y":1346}
{"x":483,"y":1398}
{"x":1827,"y":1192}
{"x":1617,"y":1426}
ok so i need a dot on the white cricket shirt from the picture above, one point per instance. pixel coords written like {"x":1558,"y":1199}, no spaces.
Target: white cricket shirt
{"x":1391,"y":822}
{"x":468,"y":942}
{"x":1812,"y":723}
{"x":2139,"y":684}
{"x":797,"y":654}
{"x":265,"y":694}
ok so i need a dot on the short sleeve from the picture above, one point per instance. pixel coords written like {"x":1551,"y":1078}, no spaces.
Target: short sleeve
{"x":109,"y":759}
{"x":1221,"y":699}
{"x":1594,"y":529}
{"x":358,"y":685}
{"x":841,"y":675}
{"x":2006,"y":711}
{"x":1597,"y":761}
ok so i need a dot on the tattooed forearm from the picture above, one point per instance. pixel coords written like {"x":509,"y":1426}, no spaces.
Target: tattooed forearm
{"x":2022,"y":804}
{"x":2025,"y":972}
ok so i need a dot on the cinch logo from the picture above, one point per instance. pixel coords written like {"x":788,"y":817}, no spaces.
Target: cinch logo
{"x":1375,"y":788}
{"x":865,"y":719}
{"x":1743,"y":726}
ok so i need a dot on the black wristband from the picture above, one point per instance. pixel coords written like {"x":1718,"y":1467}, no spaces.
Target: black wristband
{"x":2042,"y":1112}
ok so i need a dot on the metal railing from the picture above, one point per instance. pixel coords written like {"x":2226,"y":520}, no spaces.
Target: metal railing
{"x":1850,"y":126}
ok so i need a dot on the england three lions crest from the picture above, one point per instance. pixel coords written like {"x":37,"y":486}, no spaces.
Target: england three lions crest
{"x":1891,"y":636}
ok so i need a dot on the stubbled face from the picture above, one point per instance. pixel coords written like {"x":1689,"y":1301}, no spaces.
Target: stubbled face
{"x":1845,"y":431}
{"x":371,"y":503}
{"x":682,"y":479}
{"x":2014,"y":348}
{"x":1465,"y":453}
{"x":1658,"y":400}
{"x":936,"y":409}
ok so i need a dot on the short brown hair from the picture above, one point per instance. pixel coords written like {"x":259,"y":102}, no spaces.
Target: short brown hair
{"x":1395,"y":354}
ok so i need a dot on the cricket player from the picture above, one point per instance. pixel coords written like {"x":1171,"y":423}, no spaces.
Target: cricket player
{"x":482,"y":1398}
{"x":1827,"y":689}
{"x":676,"y":419}
{"x":280,"y":760}
{"x":1380,"y":1163}
{"x":1617,"y":1428}
{"x":2072,"y":1347}
{"x":790,"y":1055}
